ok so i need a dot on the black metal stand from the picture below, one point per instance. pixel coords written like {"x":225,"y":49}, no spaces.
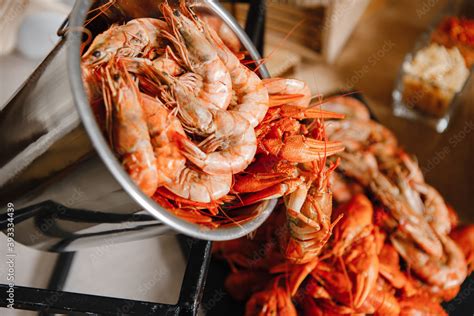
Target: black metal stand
{"x":255,"y":22}
{"x":60,"y":274}
{"x":61,"y":271}
{"x":255,"y":25}
{"x":50,"y":301}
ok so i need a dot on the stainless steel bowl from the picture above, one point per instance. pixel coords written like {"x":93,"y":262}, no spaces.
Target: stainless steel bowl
{"x":68,"y":189}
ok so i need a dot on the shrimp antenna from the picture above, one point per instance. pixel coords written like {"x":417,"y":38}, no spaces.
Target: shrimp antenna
{"x":102,"y":10}
{"x":279,"y":46}
{"x":230,"y":218}
{"x":321,"y":101}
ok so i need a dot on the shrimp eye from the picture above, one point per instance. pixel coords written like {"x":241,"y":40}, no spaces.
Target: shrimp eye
{"x":96,"y":53}
{"x":116,"y":77}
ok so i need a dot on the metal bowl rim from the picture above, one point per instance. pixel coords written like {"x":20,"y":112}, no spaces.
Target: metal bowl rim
{"x":77,"y":19}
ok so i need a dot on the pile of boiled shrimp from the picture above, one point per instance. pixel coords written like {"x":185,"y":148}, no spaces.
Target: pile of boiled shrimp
{"x":194,"y":127}
{"x":392,"y":246}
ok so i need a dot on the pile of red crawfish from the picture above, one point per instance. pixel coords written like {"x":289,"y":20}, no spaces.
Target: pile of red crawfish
{"x":195,"y":128}
{"x":203,"y":135}
{"x":396,"y":247}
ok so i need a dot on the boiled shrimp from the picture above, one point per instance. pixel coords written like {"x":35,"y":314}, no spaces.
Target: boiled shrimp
{"x":349,"y":106}
{"x":360,"y":135}
{"x":141,"y":66}
{"x":435,"y":210}
{"x":92,"y":84}
{"x":282,"y":91}
{"x":234,"y":153}
{"x":228,"y":36}
{"x":195,"y":185}
{"x":252,"y":99}
{"x":168,"y":65}
{"x":421,"y":305}
{"x":251,"y":96}
{"x":464,"y":238}
{"x":130,"y":137}
{"x":364,"y":168}
{"x":164,"y":128}
{"x":200,"y":57}
{"x":230,"y":144}
{"x":446,"y":272}
{"x":137,"y":37}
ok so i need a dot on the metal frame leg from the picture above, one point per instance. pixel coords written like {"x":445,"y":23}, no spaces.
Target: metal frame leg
{"x":255,"y":24}
{"x":60,"y":274}
{"x":48,"y":301}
